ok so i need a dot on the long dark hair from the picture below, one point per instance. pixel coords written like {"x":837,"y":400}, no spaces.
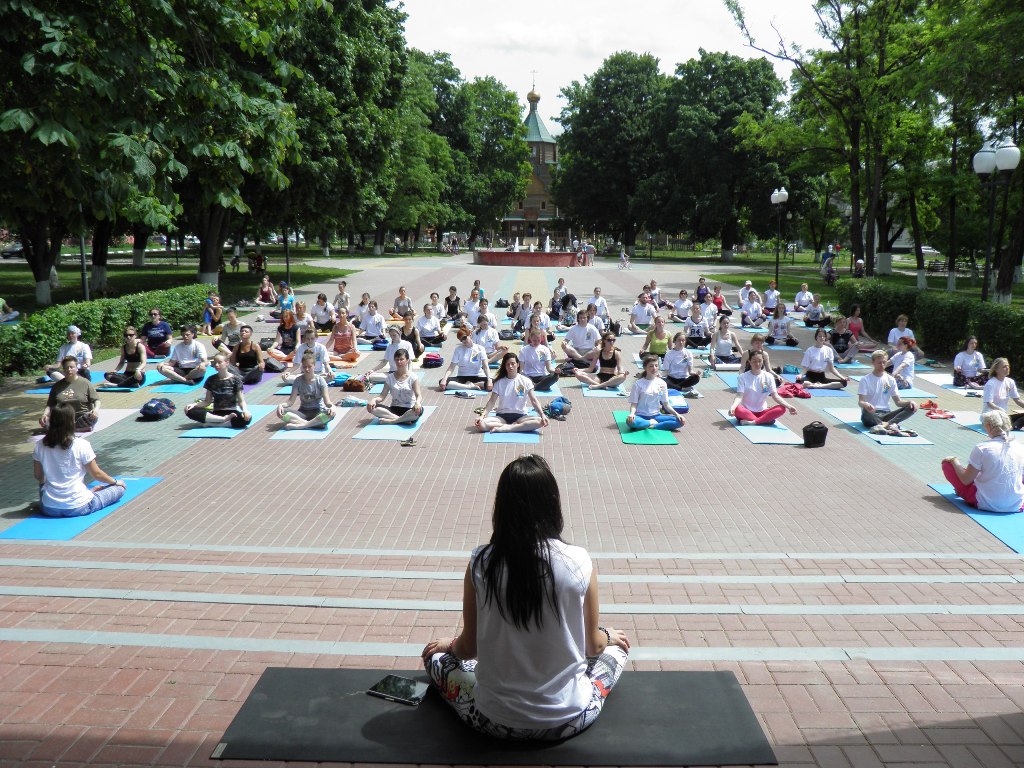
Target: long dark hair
{"x":503,"y":374}
{"x":60,"y":430}
{"x":517,"y":562}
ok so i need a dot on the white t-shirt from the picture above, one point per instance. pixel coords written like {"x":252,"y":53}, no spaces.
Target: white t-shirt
{"x":487,"y":339}
{"x":601,"y":303}
{"x":771,"y":299}
{"x":534,"y":360}
{"x":472,"y":310}
{"x":697,"y":330}
{"x":643,"y":314}
{"x":582,"y":338}
{"x":744,"y":293}
{"x":710,"y":312}
{"x":78,"y":350}
{"x":390,"y":349}
{"x":535,"y":678}
{"x":752,"y":309}
{"x":896,"y":334}
{"x":678,"y":363}
{"x":597,"y":323}
{"x":878,"y":390}
{"x":898,"y":359}
{"x":319,"y":357}
{"x":780,"y":327}
{"x":817,"y":358}
{"x":999,"y":393}
{"x":470,"y":361}
{"x":969,"y":364}
{"x":372,"y":325}
{"x":513,"y":394}
{"x":187,"y":355}
{"x":998,"y":483}
{"x":64,"y":472}
{"x":649,"y":395}
{"x":341,"y":301}
{"x":543,"y":322}
{"x":402,"y":394}
{"x":755,"y":390}
{"x":428,"y":326}
{"x":321,"y":314}
{"x":682,"y":307}
{"x":803,"y":298}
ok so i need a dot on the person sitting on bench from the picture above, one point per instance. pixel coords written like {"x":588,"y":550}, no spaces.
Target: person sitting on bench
{"x":532,"y":661}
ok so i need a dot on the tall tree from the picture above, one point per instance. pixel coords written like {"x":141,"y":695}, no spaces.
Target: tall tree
{"x":715,"y":180}
{"x":605,"y":148}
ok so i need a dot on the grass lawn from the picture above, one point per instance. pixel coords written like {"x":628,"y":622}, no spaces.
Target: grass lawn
{"x":19,"y":285}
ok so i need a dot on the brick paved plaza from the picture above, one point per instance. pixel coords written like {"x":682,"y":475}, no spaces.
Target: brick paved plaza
{"x":869,"y":622}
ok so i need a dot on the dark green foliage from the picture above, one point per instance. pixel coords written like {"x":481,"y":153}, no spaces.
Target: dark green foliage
{"x":34,"y":342}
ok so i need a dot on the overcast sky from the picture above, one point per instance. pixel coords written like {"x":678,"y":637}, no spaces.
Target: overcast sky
{"x":566,"y":40}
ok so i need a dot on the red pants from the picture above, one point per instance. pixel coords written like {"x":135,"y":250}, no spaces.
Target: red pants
{"x":761,"y":417}
{"x":968,"y":493}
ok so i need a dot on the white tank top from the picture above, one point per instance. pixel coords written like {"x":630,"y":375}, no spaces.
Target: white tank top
{"x":536,"y":678}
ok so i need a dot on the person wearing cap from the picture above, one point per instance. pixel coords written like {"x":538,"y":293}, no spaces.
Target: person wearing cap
{"x":187,"y":362}
{"x":76,"y":391}
{"x":157,"y":334}
{"x":744,"y":291}
{"x":75,"y":348}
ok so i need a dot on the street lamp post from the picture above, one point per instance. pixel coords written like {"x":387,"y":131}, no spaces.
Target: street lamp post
{"x":994,"y":165}
{"x":779,"y":198}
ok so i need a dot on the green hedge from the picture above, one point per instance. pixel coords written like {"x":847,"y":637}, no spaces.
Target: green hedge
{"x":941,"y":320}
{"x":34,"y":342}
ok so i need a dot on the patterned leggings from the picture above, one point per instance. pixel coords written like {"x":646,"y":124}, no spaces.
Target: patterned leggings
{"x":455,"y":680}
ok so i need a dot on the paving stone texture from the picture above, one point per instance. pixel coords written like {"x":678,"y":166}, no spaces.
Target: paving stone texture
{"x":869,"y":622}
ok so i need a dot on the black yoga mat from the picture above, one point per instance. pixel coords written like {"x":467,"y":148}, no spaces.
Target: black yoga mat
{"x":650,"y":719}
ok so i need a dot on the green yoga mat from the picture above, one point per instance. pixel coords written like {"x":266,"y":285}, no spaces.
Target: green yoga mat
{"x":642,"y":436}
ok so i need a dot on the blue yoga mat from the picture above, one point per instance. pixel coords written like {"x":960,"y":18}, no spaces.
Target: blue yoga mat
{"x":851,"y":418}
{"x":776,"y":434}
{"x":912,"y":392}
{"x":149,"y":377}
{"x":615,"y":394}
{"x":41,"y":390}
{"x":226,"y":433}
{"x":1008,"y":527}
{"x":364,"y":347}
{"x":523,"y":438}
{"x":553,"y":392}
{"x":376,"y":431}
{"x":177,"y":389}
{"x":814,"y":392}
{"x":65,"y":528}
{"x":842,"y":366}
{"x":783,"y":348}
{"x":312,"y":434}
{"x":729,"y":378}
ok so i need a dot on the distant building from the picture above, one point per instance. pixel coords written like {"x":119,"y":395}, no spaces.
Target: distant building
{"x":534,"y":215}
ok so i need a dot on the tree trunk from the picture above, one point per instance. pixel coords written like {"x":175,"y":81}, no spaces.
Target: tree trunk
{"x":953,"y":163}
{"x":1006,"y":261}
{"x":915,"y":228}
{"x":378,"y":241}
{"x":211,"y":228}
{"x":101,"y":235}
{"x":325,"y":243}
{"x":351,"y":241}
{"x":140,"y":237}
{"x":41,"y":239}
{"x":730,"y":230}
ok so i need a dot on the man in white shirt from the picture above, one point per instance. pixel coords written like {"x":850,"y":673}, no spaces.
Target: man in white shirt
{"x":600,"y":302}
{"x":187,"y":362}
{"x":580,"y":343}
{"x":642,"y":314}
{"x":874,"y":393}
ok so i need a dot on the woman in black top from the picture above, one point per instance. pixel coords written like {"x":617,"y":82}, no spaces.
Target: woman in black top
{"x":133,"y":358}
{"x":247,"y":358}
{"x":411,"y":334}
{"x":452,"y":303}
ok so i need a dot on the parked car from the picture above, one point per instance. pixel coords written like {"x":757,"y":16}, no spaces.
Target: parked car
{"x":13,"y":251}
{"x":929,"y":253}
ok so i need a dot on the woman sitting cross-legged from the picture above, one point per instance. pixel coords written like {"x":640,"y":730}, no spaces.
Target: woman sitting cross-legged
{"x":991,"y":481}
{"x":224,"y":402}
{"x":469,"y":361}
{"x":678,"y":366}
{"x":778,"y":328}
{"x":532,"y":661}
{"x":341,"y":344}
{"x":752,"y":392}
{"x":536,"y":362}
{"x":725,"y":345}
{"x":818,"y":361}
{"x":247,"y":358}
{"x":59,"y":463}
{"x":309,"y":405}
{"x":874,"y":393}
{"x":406,"y":399}
{"x":757,"y":345}
{"x":606,"y":371}
{"x":512,"y":391}
{"x":649,"y":407}
{"x":133,"y":358}
{"x":969,"y":366}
